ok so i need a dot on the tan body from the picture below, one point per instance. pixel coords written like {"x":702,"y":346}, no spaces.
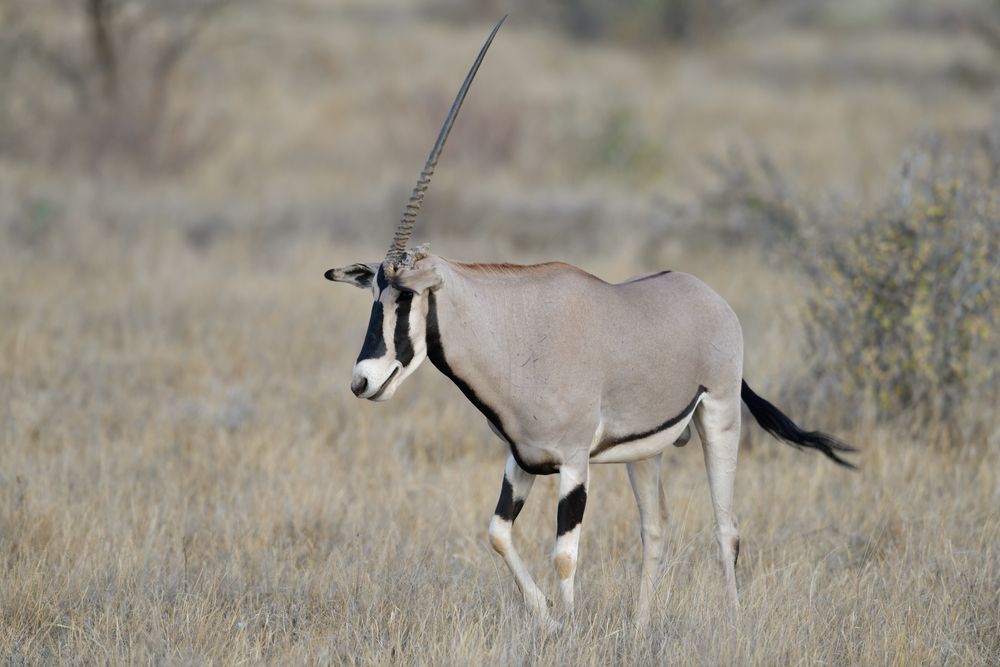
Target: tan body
{"x":598,"y":361}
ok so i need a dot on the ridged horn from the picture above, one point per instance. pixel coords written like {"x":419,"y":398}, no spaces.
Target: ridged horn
{"x":402,"y":236}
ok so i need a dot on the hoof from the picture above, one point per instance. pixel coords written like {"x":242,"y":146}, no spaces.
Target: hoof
{"x":547,"y":624}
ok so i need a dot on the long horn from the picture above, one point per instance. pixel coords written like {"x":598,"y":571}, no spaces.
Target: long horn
{"x":405,"y":229}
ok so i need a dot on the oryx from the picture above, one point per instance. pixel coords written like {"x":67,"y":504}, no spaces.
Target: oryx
{"x":570,"y":370}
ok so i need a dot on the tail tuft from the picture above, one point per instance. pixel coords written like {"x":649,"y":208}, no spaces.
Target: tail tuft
{"x":775,"y":422}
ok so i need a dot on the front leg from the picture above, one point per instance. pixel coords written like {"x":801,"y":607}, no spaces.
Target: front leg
{"x":516,"y":485}
{"x":573,"y":484}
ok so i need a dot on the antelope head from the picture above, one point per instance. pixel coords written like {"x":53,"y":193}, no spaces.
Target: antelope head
{"x":395,"y":343}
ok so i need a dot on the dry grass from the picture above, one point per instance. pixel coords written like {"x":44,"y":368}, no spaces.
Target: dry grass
{"x":185,"y":478}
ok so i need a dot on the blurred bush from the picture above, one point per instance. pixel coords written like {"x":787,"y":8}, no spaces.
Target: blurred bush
{"x":754,"y":202}
{"x":627,"y":20}
{"x":904,"y":314}
{"x":679,"y":21}
{"x":905,"y":304}
{"x":83,"y":80}
{"x":909,"y":302}
{"x":619,"y":146}
{"x":637,"y":19}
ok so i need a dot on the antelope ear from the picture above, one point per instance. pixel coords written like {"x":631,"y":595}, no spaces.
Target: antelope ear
{"x":359,"y":275}
{"x":416,"y":280}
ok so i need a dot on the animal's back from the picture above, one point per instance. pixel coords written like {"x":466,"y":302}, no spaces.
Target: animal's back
{"x":580,"y":353}
{"x":668,"y":335}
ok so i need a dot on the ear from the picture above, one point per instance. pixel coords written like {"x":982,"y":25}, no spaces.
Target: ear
{"x":416,"y":279}
{"x":359,"y":275}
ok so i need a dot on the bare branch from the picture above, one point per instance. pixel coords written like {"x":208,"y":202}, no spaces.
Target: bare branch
{"x":100,"y":16}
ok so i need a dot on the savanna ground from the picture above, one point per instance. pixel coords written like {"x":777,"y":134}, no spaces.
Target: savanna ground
{"x":186,"y":478}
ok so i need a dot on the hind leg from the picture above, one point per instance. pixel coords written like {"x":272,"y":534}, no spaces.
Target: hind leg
{"x":718,"y":422}
{"x":645,"y":478}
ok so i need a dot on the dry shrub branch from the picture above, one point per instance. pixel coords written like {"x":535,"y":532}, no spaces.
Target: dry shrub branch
{"x":909,"y":307}
{"x":94,"y":79}
{"x":904,"y":315}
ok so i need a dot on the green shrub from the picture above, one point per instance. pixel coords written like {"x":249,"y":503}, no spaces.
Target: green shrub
{"x":619,"y":146}
{"x":903,"y":317}
{"x":907,"y":304}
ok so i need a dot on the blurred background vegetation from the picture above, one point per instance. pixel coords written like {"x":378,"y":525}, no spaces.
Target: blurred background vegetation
{"x":185,"y":475}
{"x":847,"y":151}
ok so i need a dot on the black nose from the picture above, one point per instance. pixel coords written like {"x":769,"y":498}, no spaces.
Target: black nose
{"x":359,"y":386}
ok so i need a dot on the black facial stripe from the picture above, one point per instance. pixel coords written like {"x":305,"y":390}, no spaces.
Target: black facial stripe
{"x":401,"y":334}
{"x":380,"y":280}
{"x":374,"y":346}
{"x":571,"y":510}
{"x":508,"y":508}
{"x":611,"y":441}
{"x":435,"y":352}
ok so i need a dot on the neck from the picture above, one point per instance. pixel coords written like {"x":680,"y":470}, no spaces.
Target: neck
{"x":437,"y":356}
{"x":468,"y":317}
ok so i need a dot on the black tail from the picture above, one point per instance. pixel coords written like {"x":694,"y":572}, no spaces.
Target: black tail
{"x":775,"y":422}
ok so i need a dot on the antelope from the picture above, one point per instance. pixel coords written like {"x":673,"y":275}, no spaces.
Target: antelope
{"x":569,"y":371}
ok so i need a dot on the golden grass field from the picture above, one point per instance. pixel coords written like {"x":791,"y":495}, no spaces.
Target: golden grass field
{"x":185,"y":477}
